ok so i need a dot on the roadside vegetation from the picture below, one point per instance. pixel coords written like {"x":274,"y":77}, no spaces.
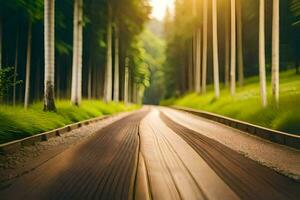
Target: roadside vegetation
{"x":246,"y":106}
{"x":17,"y":123}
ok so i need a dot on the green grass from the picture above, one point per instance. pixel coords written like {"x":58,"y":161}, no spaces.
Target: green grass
{"x":17,"y":123}
{"x":246,"y":104}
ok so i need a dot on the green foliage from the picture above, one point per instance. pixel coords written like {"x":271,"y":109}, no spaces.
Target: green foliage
{"x":17,"y":123}
{"x":295,"y":9}
{"x":246,"y":104}
{"x":154,"y":58}
{"x":7,"y":80}
{"x":33,"y":8}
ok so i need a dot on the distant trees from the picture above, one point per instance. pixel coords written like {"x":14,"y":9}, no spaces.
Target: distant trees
{"x":244,"y":48}
{"x":92,"y":65}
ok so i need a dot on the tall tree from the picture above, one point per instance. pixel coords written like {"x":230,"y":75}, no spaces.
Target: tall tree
{"x":28,"y":63}
{"x":77,"y":53}
{"x":198,"y":61}
{"x":49,"y":7}
{"x":262,"y":69}
{"x":215,"y":49}
{"x":196,"y":52}
{"x":227,"y":42}
{"x":108,"y":71}
{"x":233,"y":48}
{"x":116,"y":68}
{"x":240,"y":42}
{"x":204,"y":51}
{"x":126,"y":85}
{"x":275,"y":51}
{"x":16,"y":66}
{"x":1,"y":39}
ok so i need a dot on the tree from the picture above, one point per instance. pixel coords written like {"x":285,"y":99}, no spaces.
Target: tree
{"x":233,"y":48}
{"x":77,"y":53}
{"x":198,"y":61}
{"x":28,"y":63}
{"x":204,"y":51}
{"x":49,"y":104}
{"x":215,"y":49}
{"x":196,"y":51}
{"x":116,"y":69}
{"x":275,"y":51}
{"x":16,"y":67}
{"x":1,"y":36}
{"x":33,"y":13}
{"x":126,"y":83}
{"x":240,"y":42}
{"x":108,"y":71}
{"x":227,"y":42}
{"x":262,"y":70}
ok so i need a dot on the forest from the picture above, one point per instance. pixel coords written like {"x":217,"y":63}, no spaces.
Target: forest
{"x":237,"y":58}
{"x":99,"y":29}
{"x":71,"y":57}
{"x":84,"y":58}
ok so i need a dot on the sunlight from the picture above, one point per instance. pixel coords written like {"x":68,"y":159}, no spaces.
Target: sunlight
{"x":160,"y":6}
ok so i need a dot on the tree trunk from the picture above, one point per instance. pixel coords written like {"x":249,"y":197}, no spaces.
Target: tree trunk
{"x":80,"y":50}
{"x":58,"y":86}
{"x":215,"y":49}
{"x":108,"y":71}
{"x":198,"y":61}
{"x":37,"y":80}
{"x":204,"y":52}
{"x":190,"y":67}
{"x":134,"y":93}
{"x":233,"y":48}
{"x":16,"y":67}
{"x":275,"y":51}
{"x":49,"y":104}
{"x":77,"y":54}
{"x":126,"y":89}
{"x":28,"y":63}
{"x":240,"y":43}
{"x":227,"y":43}
{"x":90,"y":81}
{"x":1,"y":39}
{"x":193,"y":75}
{"x":116,"y":72}
{"x":262,"y":69}
{"x":74,"y":98}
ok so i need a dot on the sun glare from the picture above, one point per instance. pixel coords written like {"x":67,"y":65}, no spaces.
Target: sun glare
{"x":159,"y":8}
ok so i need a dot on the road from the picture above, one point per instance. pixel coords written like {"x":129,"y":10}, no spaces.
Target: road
{"x":155,"y":153}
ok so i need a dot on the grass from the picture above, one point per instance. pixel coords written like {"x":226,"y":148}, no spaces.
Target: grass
{"x":246,"y":103}
{"x":17,"y":123}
